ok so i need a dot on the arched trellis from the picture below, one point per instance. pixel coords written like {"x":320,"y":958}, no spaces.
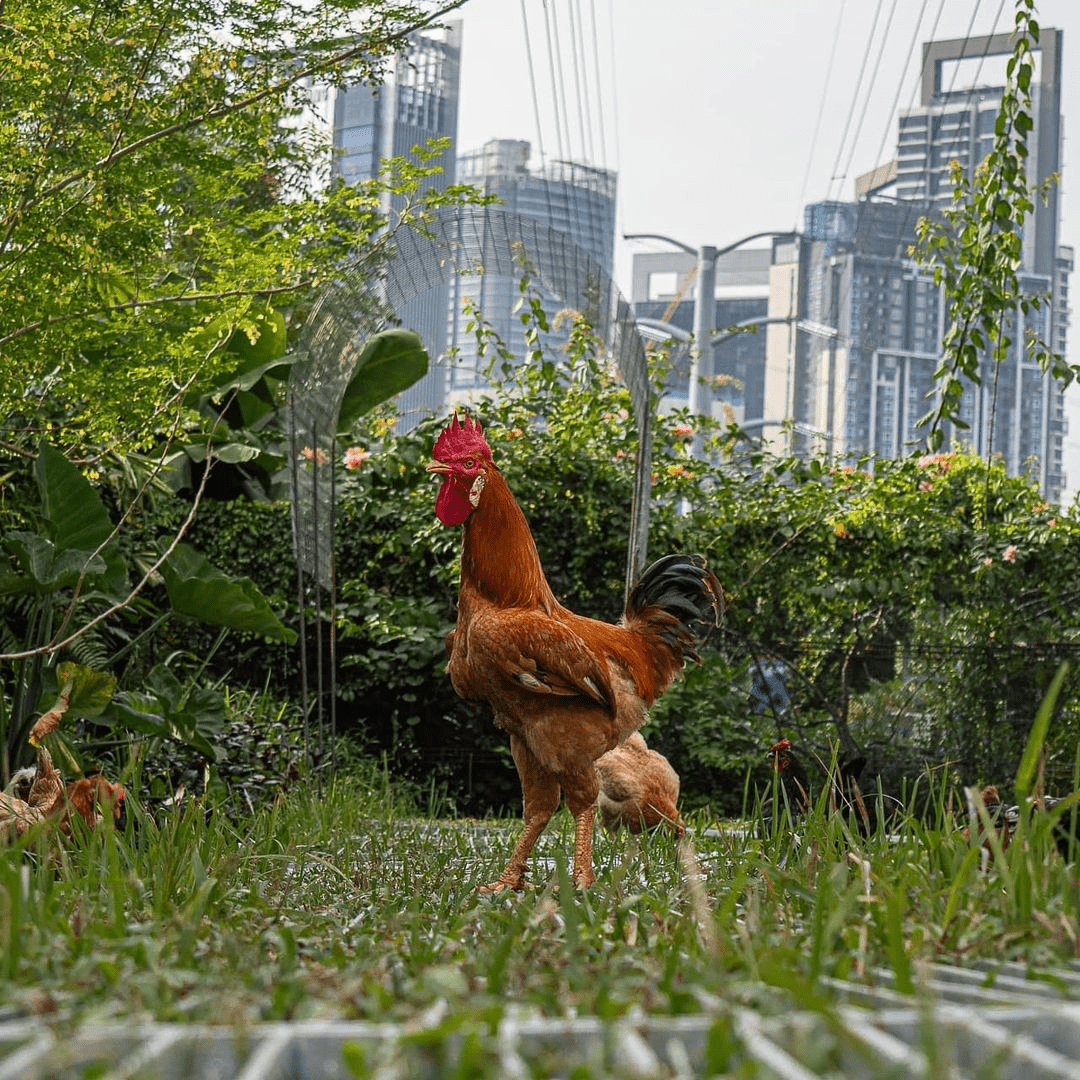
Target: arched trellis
{"x":367,"y":297}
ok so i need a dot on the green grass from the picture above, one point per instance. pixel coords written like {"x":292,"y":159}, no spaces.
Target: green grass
{"x":349,"y":904}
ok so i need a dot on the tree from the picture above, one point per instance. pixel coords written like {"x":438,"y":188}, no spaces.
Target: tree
{"x":156,"y":197}
{"x":976,"y":249}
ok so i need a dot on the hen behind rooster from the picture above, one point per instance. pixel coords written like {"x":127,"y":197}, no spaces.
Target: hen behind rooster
{"x":567,"y":688}
{"x":638,"y":788}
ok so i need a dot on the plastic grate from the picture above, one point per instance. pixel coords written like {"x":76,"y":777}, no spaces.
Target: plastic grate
{"x":993,"y":1020}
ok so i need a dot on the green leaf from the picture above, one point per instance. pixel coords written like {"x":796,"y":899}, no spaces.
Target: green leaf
{"x":259,"y":338}
{"x":76,"y":516}
{"x":91,"y":691}
{"x":390,"y":362}
{"x":44,"y":567}
{"x":164,"y":709}
{"x":198,"y":589}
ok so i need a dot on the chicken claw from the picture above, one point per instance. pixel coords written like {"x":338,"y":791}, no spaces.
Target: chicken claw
{"x":492,"y":888}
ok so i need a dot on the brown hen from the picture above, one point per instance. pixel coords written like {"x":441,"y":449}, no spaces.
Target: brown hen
{"x":638,"y":788}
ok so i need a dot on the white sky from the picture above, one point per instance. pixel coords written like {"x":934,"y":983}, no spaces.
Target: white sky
{"x":724,"y":118}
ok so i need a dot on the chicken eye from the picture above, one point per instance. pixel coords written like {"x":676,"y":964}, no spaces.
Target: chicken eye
{"x":470,"y":463}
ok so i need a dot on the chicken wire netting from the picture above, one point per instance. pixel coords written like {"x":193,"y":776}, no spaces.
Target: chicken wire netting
{"x":371,"y":294}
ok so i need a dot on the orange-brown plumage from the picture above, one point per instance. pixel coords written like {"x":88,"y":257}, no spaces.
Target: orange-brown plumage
{"x":638,"y":788}
{"x":568,"y":689}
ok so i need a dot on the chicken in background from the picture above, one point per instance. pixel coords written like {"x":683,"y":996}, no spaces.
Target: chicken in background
{"x":1005,"y":819}
{"x":567,"y":689}
{"x":638,"y":788}
{"x":37,"y":795}
{"x":794,"y":779}
{"x":1066,"y":828}
{"x":845,"y":795}
{"x":990,"y":799}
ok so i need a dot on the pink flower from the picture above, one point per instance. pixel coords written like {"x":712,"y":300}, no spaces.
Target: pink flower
{"x":683,"y":430}
{"x":355,"y":456}
{"x":988,"y":561}
{"x":1051,"y":523}
{"x":1009,"y":554}
{"x":318,"y":456}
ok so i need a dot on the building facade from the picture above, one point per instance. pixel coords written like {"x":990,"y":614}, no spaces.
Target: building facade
{"x":851,"y":369}
{"x":418,"y":102}
{"x":572,"y":198}
{"x":664,"y":295}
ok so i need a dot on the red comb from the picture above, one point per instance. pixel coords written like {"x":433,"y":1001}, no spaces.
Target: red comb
{"x":458,"y":439}
{"x":783,"y":744}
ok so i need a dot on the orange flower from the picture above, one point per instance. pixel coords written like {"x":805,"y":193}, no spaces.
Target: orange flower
{"x":355,"y":456}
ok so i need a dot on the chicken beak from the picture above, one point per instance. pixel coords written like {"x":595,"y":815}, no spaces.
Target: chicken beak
{"x":437,"y":467}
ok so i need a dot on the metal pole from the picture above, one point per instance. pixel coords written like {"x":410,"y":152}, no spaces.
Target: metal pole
{"x":297,"y":509}
{"x":699,"y":398}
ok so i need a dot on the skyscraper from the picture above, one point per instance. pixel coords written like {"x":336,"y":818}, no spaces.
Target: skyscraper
{"x":853,"y":366}
{"x":568,"y":196}
{"x":418,"y":102}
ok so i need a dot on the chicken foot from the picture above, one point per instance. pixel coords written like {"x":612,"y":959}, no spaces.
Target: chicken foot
{"x":513,"y":877}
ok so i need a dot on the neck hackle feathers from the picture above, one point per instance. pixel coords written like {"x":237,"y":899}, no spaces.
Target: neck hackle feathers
{"x":461,"y":439}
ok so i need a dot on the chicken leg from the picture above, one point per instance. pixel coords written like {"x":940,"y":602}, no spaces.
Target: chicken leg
{"x":583,"y":830}
{"x":580,"y":793}
{"x":540,"y":795}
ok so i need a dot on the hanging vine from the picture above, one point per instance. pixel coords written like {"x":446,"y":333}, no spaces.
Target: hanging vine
{"x":975,"y":249}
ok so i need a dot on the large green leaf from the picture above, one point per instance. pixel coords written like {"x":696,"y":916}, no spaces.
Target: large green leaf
{"x":260,"y":336}
{"x":390,"y":362}
{"x":80,"y":690}
{"x":169,"y":710}
{"x":198,"y":589}
{"x":90,"y":690}
{"x":76,"y":515}
{"x":77,"y":518}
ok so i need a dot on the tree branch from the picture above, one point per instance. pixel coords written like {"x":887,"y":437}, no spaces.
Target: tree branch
{"x":274,"y":90}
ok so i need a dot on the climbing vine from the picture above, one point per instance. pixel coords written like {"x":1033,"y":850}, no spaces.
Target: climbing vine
{"x":975,"y":249}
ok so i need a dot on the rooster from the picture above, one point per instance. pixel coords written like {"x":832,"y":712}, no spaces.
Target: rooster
{"x":845,"y":794}
{"x":793,"y":776}
{"x":638,"y":788}
{"x":566,"y":688}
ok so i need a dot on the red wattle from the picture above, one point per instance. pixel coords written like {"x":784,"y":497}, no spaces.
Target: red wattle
{"x":452,"y":506}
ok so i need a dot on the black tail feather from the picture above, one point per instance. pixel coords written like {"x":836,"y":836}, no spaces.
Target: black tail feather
{"x":685,"y":588}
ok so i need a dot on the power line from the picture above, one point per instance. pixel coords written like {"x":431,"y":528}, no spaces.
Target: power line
{"x":614,"y":84}
{"x":854,"y":99}
{"x":532,"y":83}
{"x":581,"y":83}
{"x":829,"y":67}
{"x":866,"y":98}
{"x":599,"y":87}
{"x":536,"y":112}
{"x":554,"y":80}
{"x":894,"y":110}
